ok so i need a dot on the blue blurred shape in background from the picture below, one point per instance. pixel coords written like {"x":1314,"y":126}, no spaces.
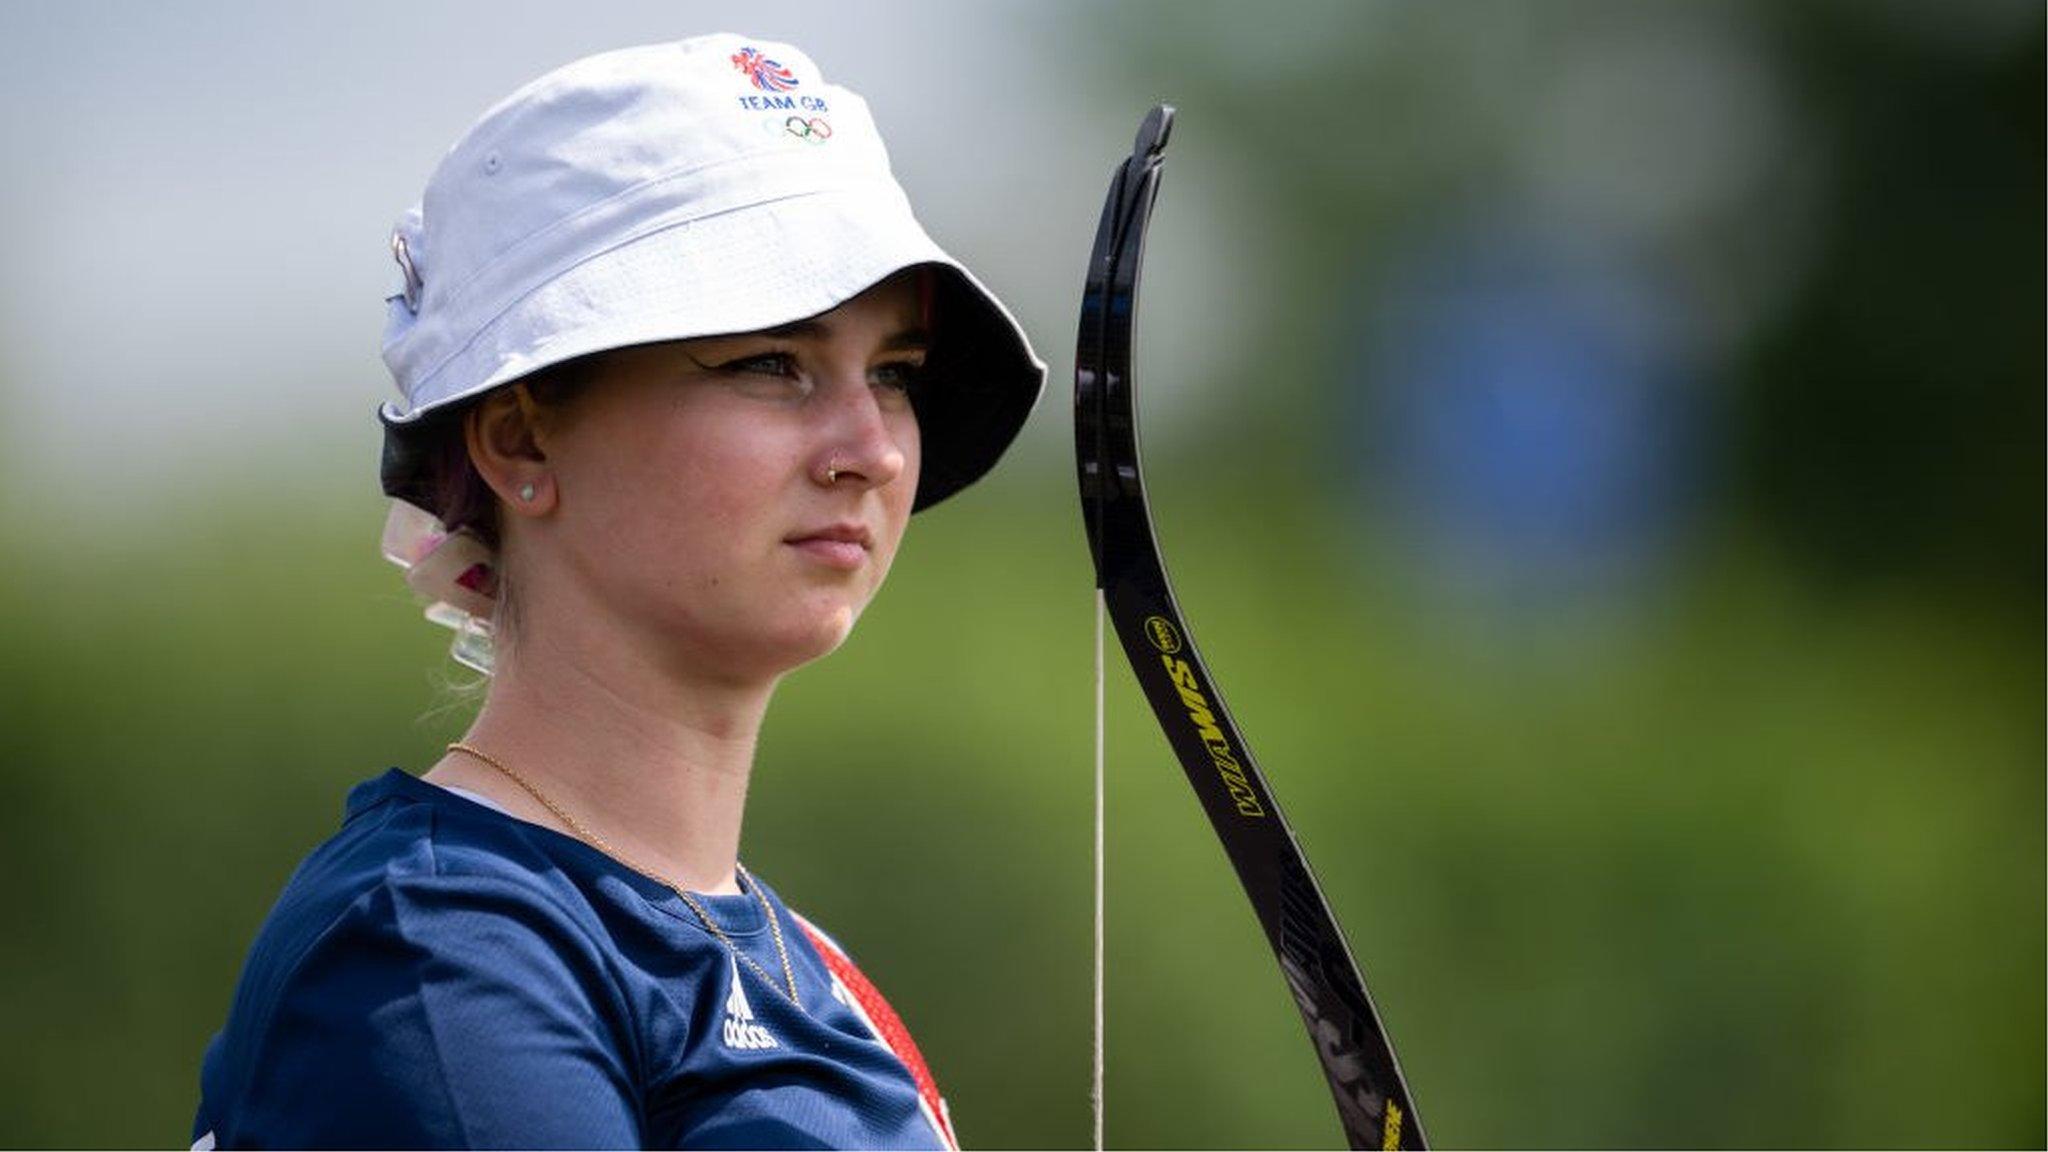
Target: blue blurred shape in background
{"x":1522,"y":413}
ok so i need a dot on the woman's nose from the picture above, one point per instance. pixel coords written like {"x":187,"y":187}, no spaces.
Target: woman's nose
{"x":863,"y":438}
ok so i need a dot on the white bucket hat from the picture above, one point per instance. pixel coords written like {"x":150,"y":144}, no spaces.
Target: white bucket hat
{"x":705,"y":187}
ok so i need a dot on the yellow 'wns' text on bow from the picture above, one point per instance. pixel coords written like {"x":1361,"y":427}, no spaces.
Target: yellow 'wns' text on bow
{"x":1204,"y":720}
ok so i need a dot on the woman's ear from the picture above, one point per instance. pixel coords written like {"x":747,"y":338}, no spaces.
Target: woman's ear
{"x":505,"y":436}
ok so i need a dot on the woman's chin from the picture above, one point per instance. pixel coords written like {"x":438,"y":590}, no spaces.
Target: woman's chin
{"x":812,"y":637}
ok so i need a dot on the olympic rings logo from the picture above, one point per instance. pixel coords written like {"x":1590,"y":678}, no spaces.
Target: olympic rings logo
{"x":811,"y":131}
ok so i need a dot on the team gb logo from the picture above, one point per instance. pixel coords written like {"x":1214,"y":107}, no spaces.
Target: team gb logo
{"x":766,"y":74}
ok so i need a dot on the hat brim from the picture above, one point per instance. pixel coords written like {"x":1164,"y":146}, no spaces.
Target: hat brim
{"x":803,"y":255}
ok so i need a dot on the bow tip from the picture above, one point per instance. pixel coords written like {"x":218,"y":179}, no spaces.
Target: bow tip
{"x":1152,"y":134}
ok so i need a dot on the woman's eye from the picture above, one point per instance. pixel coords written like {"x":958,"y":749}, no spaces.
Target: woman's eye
{"x":900,"y":375}
{"x":762,"y":364}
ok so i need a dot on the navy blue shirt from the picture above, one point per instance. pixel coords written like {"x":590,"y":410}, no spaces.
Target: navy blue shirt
{"x":440,"y":974}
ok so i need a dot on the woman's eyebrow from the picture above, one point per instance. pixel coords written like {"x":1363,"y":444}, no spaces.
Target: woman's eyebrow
{"x":798,"y":330}
{"x":908,"y":340}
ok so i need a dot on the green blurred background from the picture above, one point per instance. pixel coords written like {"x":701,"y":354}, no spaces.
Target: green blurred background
{"x":1598,"y":446}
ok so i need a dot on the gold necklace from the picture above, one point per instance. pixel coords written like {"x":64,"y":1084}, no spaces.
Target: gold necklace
{"x":599,"y":843}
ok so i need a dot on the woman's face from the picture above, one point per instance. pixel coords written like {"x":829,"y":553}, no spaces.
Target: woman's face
{"x":737,"y":500}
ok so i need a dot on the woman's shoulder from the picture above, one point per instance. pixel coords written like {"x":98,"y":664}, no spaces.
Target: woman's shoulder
{"x":424,"y":869}
{"x":419,"y":886}
{"x":402,"y":951}
{"x":401,"y":833}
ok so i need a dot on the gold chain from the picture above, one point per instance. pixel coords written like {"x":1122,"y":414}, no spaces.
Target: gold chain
{"x":599,"y":843}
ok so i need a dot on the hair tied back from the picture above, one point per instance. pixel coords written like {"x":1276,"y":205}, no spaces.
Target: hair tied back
{"x":454,"y":573}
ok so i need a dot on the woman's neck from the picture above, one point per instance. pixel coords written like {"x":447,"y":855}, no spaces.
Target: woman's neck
{"x":656,"y":768}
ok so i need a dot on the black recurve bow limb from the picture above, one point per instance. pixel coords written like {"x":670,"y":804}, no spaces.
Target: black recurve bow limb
{"x":1372,"y":1099}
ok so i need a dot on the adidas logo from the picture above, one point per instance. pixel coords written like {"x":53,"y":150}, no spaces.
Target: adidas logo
{"x":740,"y":1029}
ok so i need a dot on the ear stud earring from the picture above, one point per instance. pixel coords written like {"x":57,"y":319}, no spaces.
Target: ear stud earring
{"x":526,"y":492}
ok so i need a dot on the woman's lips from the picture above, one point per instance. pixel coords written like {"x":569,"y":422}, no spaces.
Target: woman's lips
{"x":843,"y":546}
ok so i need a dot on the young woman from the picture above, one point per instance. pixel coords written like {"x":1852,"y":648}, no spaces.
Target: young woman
{"x":677,"y":365}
